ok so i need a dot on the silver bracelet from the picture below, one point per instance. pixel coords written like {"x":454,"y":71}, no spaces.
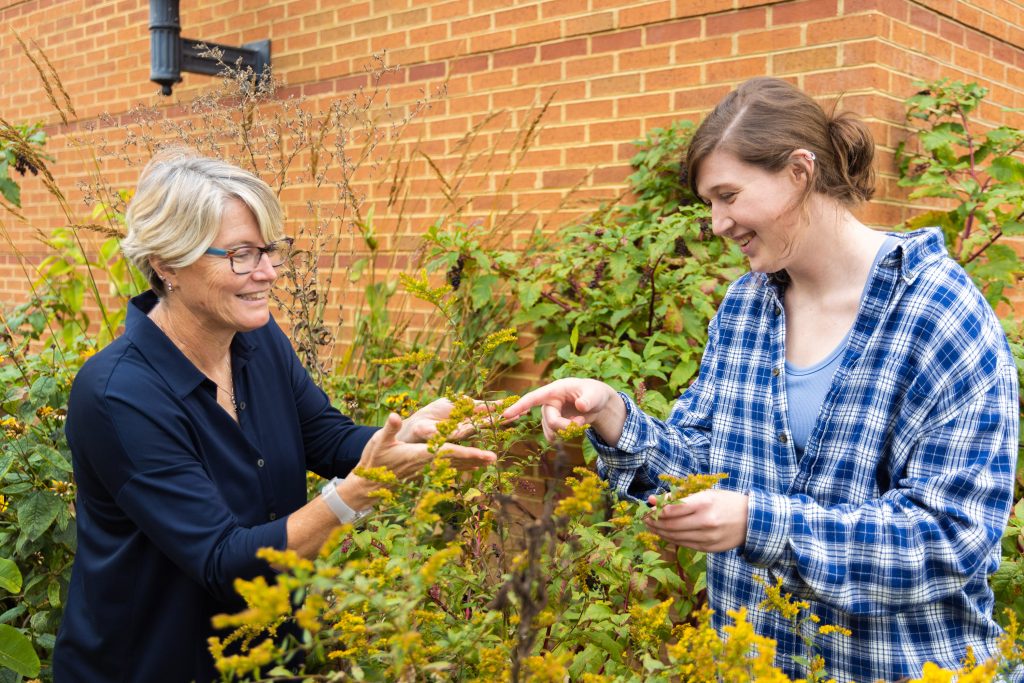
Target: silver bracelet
{"x":341,"y":509}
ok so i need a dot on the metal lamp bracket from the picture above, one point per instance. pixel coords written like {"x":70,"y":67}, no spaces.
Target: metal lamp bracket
{"x":170,"y":54}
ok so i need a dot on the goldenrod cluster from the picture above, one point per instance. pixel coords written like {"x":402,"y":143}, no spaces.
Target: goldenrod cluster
{"x":412,"y":358}
{"x":496,"y":339}
{"x":267,"y":605}
{"x":747,"y":656}
{"x":650,"y":541}
{"x":695,"y":650}
{"x":572,"y":431}
{"x":242,"y":664}
{"x":424,"y":511}
{"x":649,"y":625}
{"x":380,"y":475}
{"x":690,"y":484}
{"x":352,"y":635}
{"x":547,"y":668}
{"x":285,"y":559}
{"x":784,"y":604}
{"x":419,"y":287}
{"x":3,"y":503}
{"x":587,"y":491}
{"x":493,"y":666}
{"x":401,"y":403}
{"x":622,"y":517}
{"x":437,"y":561}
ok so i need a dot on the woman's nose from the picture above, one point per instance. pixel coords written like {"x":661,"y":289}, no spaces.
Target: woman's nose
{"x":720,"y":221}
{"x":265,"y":271}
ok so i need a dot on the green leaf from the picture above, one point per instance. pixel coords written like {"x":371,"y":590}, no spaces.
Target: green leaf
{"x":574,"y":337}
{"x":53,"y":593}
{"x":17,"y":653}
{"x":53,"y":456}
{"x":37,"y":512}
{"x":10,"y":576}
{"x":10,"y":191}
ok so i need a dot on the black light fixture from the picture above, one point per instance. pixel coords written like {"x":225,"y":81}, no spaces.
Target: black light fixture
{"x":170,"y":54}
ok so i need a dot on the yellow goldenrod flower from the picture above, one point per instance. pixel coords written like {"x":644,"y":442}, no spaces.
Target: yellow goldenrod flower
{"x":548,"y":667}
{"x":438,"y":560}
{"x":496,"y":339}
{"x":649,"y":625}
{"x":424,"y":511}
{"x":587,"y":492}
{"x":690,"y":484}
{"x":572,"y":431}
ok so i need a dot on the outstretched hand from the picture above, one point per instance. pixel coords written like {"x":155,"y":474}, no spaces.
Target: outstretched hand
{"x":577,"y":401}
{"x":386,"y":449}
{"x":421,"y":425}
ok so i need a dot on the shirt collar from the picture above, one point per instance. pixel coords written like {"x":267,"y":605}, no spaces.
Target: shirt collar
{"x":915,"y":251}
{"x":167,"y":359}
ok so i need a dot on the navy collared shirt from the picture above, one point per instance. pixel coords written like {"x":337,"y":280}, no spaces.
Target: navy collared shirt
{"x":175,"y":497}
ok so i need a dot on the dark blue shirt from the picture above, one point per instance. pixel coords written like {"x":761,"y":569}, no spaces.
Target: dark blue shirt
{"x":175,"y":497}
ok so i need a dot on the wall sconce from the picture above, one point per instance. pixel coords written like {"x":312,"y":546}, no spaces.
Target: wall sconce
{"x":170,"y":54}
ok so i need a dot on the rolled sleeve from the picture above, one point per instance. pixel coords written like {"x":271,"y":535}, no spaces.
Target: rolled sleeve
{"x":769,"y":520}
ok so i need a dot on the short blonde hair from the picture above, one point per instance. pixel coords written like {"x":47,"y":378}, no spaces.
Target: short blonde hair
{"x":176,"y":212}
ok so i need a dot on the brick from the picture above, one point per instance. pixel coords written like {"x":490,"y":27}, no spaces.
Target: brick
{"x":672,"y":31}
{"x":646,"y":14}
{"x":615,"y":85}
{"x":563,"y":49}
{"x":470,"y":64}
{"x":671,"y":79}
{"x":803,"y":11}
{"x":523,"y":55}
{"x":924,"y":19}
{"x":422,"y":71}
{"x":734,"y":22}
{"x":590,"y":23}
{"x":649,"y":58}
{"x":736,"y":69}
{"x":598,"y":67}
{"x":616,"y":42}
{"x":770,"y":40}
{"x":802,"y":61}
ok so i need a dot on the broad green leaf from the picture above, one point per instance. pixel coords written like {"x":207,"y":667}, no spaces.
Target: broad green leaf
{"x":17,"y":653}
{"x":53,"y":456}
{"x":10,"y":576}
{"x":37,"y":512}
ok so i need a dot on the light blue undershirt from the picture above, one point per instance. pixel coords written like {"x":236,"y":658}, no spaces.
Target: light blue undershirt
{"x":806,"y":387}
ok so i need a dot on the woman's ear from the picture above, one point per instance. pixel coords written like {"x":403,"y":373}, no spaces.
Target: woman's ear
{"x":803,"y":161}
{"x":162,"y":270}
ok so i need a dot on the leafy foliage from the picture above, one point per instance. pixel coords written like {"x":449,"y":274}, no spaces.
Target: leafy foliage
{"x":981,"y":174}
{"x":626,"y":295}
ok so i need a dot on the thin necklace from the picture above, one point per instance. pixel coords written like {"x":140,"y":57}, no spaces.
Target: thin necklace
{"x":185,"y":351}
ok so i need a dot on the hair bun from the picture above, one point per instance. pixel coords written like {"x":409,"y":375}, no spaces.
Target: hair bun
{"x":855,"y":152}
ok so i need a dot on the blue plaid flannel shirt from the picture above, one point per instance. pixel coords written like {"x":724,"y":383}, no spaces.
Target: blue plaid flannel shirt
{"x":890,"y":523}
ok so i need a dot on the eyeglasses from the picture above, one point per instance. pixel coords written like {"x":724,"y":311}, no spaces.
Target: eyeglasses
{"x":244,"y":260}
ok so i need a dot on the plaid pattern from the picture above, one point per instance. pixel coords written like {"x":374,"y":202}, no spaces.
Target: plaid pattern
{"x":890,"y":523}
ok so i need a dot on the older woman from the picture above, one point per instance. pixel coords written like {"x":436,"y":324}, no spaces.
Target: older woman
{"x":191,"y":434}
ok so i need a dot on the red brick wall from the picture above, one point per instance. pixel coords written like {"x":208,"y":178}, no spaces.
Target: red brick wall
{"x":612,"y":68}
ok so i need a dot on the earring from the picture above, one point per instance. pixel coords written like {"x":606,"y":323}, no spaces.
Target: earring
{"x":170,"y":287}
{"x":811,"y":156}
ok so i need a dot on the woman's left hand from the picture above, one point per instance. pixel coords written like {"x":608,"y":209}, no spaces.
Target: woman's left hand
{"x":422,"y":424}
{"x":710,"y":521}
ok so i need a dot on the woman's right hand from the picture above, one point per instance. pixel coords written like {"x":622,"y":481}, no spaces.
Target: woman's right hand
{"x":575,"y":400}
{"x":406,"y":460}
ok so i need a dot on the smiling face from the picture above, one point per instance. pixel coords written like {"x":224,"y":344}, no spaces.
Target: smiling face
{"x":757,"y":209}
{"x":220,"y":301}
